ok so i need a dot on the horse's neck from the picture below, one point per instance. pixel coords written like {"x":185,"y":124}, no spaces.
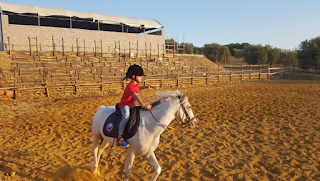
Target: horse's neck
{"x":164,"y":113}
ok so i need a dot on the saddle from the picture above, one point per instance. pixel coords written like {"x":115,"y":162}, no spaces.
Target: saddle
{"x":111,"y":125}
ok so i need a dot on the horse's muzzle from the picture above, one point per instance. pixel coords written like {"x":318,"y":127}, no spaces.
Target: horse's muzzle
{"x":193,"y":124}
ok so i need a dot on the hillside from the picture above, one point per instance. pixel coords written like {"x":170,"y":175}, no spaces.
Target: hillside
{"x":231,"y":60}
{"x":195,"y":60}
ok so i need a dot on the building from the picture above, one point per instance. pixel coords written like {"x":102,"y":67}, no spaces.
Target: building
{"x":25,"y":27}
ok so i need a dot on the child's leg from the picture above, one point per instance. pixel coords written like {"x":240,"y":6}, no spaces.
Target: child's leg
{"x":125,"y":111}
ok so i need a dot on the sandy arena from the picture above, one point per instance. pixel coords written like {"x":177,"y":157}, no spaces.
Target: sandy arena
{"x":267,"y":130}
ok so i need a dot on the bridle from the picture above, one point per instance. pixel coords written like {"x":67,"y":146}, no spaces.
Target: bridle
{"x":182,"y":102}
{"x":189,"y":120}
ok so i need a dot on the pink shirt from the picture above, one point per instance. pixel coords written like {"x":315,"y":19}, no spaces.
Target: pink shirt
{"x":127,"y":99}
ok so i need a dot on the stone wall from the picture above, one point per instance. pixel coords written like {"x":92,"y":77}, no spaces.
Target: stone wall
{"x":42,"y":36}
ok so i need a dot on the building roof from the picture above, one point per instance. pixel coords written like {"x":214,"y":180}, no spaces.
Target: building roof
{"x":108,"y":19}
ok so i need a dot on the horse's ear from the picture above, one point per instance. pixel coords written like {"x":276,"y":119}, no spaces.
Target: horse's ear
{"x":184,"y":98}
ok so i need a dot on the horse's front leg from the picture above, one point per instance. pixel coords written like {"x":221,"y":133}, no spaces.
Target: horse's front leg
{"x":153,"y":162}
{"x":129,"y":163}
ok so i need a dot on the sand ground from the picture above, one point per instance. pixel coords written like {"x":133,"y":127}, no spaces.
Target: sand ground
{"x":266,"y":130}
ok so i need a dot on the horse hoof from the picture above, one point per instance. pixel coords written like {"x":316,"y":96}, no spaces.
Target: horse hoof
{"x":95,"y":171}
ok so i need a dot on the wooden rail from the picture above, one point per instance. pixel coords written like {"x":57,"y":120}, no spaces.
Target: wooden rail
{"x":73,"y":83}
{"x":99,"y":48}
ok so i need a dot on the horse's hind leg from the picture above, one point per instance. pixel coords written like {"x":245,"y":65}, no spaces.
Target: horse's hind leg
{"x":103,"y":146}
{"x":95,"y":144}
{"x":129,"y":163}
{"x":153,"y":162}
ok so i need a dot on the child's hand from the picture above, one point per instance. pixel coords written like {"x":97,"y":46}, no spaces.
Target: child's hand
{"x":150,"y":86}
{"x":147,"y":106}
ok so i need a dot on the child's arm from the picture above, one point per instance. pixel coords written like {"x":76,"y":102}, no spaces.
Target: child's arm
{"x":141,"y":103}
{"x":146,"y":87}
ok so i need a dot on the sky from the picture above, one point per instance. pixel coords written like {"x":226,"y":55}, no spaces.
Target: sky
{"x":280,"y":23}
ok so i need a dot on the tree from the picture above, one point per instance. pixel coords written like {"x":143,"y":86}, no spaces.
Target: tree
{"x":215,"y":52}
{"x":188,"y":48}
{"x":273,"y":54}
{"x":198,"y":50}
{"x":256,"y":54}
{"x":238,"y":46}
{"x":309,"y":53}
{"x":288,"y":57}
{"x":238,"y":53}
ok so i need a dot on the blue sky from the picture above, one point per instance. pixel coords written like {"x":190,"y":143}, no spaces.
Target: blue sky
{"x":279,"y":23}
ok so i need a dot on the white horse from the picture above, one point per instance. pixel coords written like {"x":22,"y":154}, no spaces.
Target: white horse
{"x":169,"y":105}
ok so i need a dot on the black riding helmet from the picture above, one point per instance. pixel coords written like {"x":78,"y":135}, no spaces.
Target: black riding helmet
{"x":134,"y":70}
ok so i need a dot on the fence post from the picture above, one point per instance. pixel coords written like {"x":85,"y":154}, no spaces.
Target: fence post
{"x":158,"y":50}
{"x":293,"y":72}
{"x":260,"y":72}
{"x":207,"y":81}
{"x":95,"y":48}
{"x":241,"y":76}
{"x":174,"y":49}
{"x":37,"y":45}
{"x":137,"y":48}
{"x":77,"y":42}
{"x":15,"y":83}
{"x":129,"y":48}
{"x":101,"y":87}
{"x":29,"y":45}
{"x":150,"y":50}
{"x":115,"y":49}
{"x":119,"y":50}
{"x":146,"y":49}
{"x":62,"y":47}
{"x":9,"y":45}
{"x":53,"y":47}
{"x":84,"y":47}
{"x":164,"y":50}
{"x":46,"y":83}
{"x":178,"y":81}
{"x":101,"y":49}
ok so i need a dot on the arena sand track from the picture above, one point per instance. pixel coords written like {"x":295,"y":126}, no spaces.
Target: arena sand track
{"x":247,"y":131}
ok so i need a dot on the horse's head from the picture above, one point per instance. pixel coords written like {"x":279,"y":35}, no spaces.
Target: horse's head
{"x":185,"y":112}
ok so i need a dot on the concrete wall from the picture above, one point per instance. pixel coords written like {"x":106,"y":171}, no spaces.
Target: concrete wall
{"x":18,"y":35}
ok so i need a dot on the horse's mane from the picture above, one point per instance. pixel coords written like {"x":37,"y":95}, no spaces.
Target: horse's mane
{"x":163,"y":96}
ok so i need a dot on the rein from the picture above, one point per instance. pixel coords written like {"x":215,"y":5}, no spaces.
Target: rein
{"x":160,"y":122}
{"x":184,"y":110}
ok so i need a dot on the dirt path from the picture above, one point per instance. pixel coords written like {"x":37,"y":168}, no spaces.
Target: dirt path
{"x":248,"y":131}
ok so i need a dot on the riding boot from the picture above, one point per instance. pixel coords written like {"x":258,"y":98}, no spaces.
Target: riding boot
{"x":122,"y":142}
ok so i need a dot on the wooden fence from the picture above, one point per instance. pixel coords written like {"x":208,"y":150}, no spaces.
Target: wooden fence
{"x":54,"y":82}
{"x":82,"y":46}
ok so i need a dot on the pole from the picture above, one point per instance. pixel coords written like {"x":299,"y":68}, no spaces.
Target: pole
{"x":62,"y":47}
{"x":164,"y":50}
{"x":9,"y":45}
{"x":150,"y":50}
{"x":146,"y":49}
{"x":95,"y":48}
{"x":29,"y":45}
{"x":53,"y":47}
{"x":84,"y":47}
{"x":37,"y":45}
{"x":77,"y":41}
{"x":101,"y":49}
{"x":137,"y":48}
{"x":115,"y":49}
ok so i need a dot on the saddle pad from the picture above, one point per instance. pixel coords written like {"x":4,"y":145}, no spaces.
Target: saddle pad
{"x":111,"y":125}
